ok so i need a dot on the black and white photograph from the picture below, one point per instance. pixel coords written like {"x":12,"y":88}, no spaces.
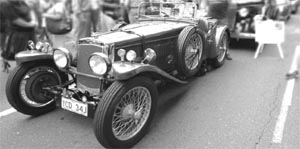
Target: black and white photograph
{"x":157,"y":74}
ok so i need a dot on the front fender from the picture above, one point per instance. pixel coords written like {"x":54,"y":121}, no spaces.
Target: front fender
{"x":127,"y":70}
{"x":220,"y":30}
{"x":27,"y":56}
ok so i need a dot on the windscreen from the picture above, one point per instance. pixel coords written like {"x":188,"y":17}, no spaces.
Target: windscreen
{"x":175,"y":10}
{"x":247,"y":1}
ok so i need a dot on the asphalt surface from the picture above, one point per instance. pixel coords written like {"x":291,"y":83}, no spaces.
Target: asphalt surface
{"x":235,"y":106}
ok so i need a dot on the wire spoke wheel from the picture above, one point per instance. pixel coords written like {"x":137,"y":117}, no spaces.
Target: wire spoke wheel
{"x":131,"y":113}
{"x":190,"y":50}
{"x":193,"y":52}
{"x":221,"y":51}
{"x":125,"y":112}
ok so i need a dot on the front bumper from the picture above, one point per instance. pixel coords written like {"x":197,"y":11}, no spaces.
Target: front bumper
{"x":90,"y":105}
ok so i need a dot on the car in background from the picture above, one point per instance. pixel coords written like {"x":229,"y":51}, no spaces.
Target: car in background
{"x":295,"y":4}
{"x":240,"y":17}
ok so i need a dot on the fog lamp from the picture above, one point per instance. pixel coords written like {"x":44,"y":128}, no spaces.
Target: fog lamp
{"x":131,"y":55}
{"x":39,"y":46}
{"x":121,"y":54}
{"x":46,"y":47}
{"x":30,"y":45}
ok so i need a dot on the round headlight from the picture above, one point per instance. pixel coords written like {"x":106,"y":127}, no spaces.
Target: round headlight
{"x":131,"y":55}
{"x":99,"y":63}
{"x":39,"y":45}
{"x":60,"y":58}
{"x":243,"y":12}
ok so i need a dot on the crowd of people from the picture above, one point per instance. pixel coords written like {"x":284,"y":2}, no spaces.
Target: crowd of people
{"x":24,"y":20}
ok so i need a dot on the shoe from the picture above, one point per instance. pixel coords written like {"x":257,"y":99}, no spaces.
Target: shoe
{"x":5,"y":65}
{"x":292,"y":75}
{"x":228,"y":57}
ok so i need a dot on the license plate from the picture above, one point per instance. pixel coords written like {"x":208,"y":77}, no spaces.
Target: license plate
{"x":74,"y":106}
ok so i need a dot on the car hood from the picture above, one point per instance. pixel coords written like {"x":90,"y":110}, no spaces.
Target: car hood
{"x":134,"y":33}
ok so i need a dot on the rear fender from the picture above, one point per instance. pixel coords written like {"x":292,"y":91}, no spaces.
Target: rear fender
{"x":127,"y":70}
{"x":27,"y":56}
{"x":220,"y":30}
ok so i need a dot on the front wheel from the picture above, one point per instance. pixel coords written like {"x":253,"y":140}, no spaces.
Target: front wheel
{"x":125,"y":112}
{"x":26,"y":87}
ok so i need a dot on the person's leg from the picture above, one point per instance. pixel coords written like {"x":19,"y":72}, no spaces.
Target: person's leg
{"x":85,"y":25}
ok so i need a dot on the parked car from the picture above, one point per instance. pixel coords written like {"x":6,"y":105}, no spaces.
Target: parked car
{"x":113,"y":76}
{"x":240,"y":17}
{"x":295,"y":4}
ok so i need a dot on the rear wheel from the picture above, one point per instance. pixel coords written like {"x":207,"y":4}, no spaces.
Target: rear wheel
{"x":221,"y":50}
{"x":27,"y":87}
{"x":125,"y":112}
{"x":190,"y":50}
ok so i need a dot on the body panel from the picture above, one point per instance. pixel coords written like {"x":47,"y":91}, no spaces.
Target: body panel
{"x":27,"y":56}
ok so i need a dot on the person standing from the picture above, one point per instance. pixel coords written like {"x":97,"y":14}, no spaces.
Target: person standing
{"x":218,"y":9}
{"x":109,"y":14}
{"x":59,"y":10}
{"x":133,"y":8}
{"x":270,"y":11}
{"x":82,"y":18}
{"x":3,"y":24}
{"x":21,"y":25}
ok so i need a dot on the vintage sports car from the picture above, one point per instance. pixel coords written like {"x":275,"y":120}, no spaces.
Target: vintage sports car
{"x":113,"y":76}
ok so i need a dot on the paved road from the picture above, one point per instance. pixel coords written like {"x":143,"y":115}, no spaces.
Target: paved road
{"x":235,"y":106}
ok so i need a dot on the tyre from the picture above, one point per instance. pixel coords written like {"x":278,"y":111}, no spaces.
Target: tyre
{"x":190,"y":50}
{"x":26,"y":87}
{"x":222,"y":48}
{"x":125,"y":112}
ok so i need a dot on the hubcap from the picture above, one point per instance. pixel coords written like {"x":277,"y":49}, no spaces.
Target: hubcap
{"x":193,"y":52}
{"x":131,"y":113}
{"x":33,"y":83}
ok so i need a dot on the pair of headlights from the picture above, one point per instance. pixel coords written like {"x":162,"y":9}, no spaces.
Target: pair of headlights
{"x":130,"y":55}
{"x":98,"y":62}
